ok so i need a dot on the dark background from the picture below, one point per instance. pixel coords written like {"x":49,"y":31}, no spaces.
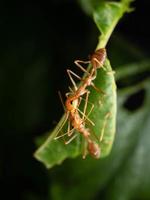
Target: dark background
{"x":38,"y":42}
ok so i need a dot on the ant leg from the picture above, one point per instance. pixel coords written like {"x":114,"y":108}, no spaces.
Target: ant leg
{"x":63,"y":123}
{"x":74,"y":84}
{"x":98,"y":89}
{"x":85,"y":108}
{"x":80,"y":66}
{"x":104,"y":126}
{"x":73,"y":137}
{"x":85,"y":105}
{"x":92,"y":106}
{"x":84,"y":149}
{"x":99,"y":63}
{"x":67,"y":94}
{"x":61,"y":99}
{"x":71,"y":90}
{"x":69,"y":131}
{"x":70,"y":93}
{"x":85,"y":117}
{"x":70,"y":73}
{"x":56,"y":138}
{"x":60,"y":136}
{"x":93,"y":133}
{"x":108,"y":72}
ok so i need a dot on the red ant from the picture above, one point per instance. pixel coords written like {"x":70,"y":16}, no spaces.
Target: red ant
{"x":73,"y":100}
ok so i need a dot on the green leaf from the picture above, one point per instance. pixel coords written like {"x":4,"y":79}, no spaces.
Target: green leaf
{"x":53,"y":152}
{"x":126,"y":170}
{"x":90,"y":5}
{"x":106,"y":18}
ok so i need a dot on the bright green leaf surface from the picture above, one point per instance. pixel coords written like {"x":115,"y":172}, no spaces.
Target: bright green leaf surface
{"x":55,"y":151}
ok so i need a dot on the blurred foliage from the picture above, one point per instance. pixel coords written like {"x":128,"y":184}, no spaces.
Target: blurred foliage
{"x":36,"y":43}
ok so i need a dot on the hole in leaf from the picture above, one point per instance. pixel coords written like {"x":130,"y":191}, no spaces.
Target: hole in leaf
{"x":135,"y":101}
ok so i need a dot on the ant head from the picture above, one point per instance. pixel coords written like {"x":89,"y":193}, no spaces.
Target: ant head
{"x":98,"y":58}
{"x":94,"y":149}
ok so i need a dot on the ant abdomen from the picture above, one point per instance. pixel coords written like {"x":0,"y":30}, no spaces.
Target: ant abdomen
{"x":94,"y":149}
